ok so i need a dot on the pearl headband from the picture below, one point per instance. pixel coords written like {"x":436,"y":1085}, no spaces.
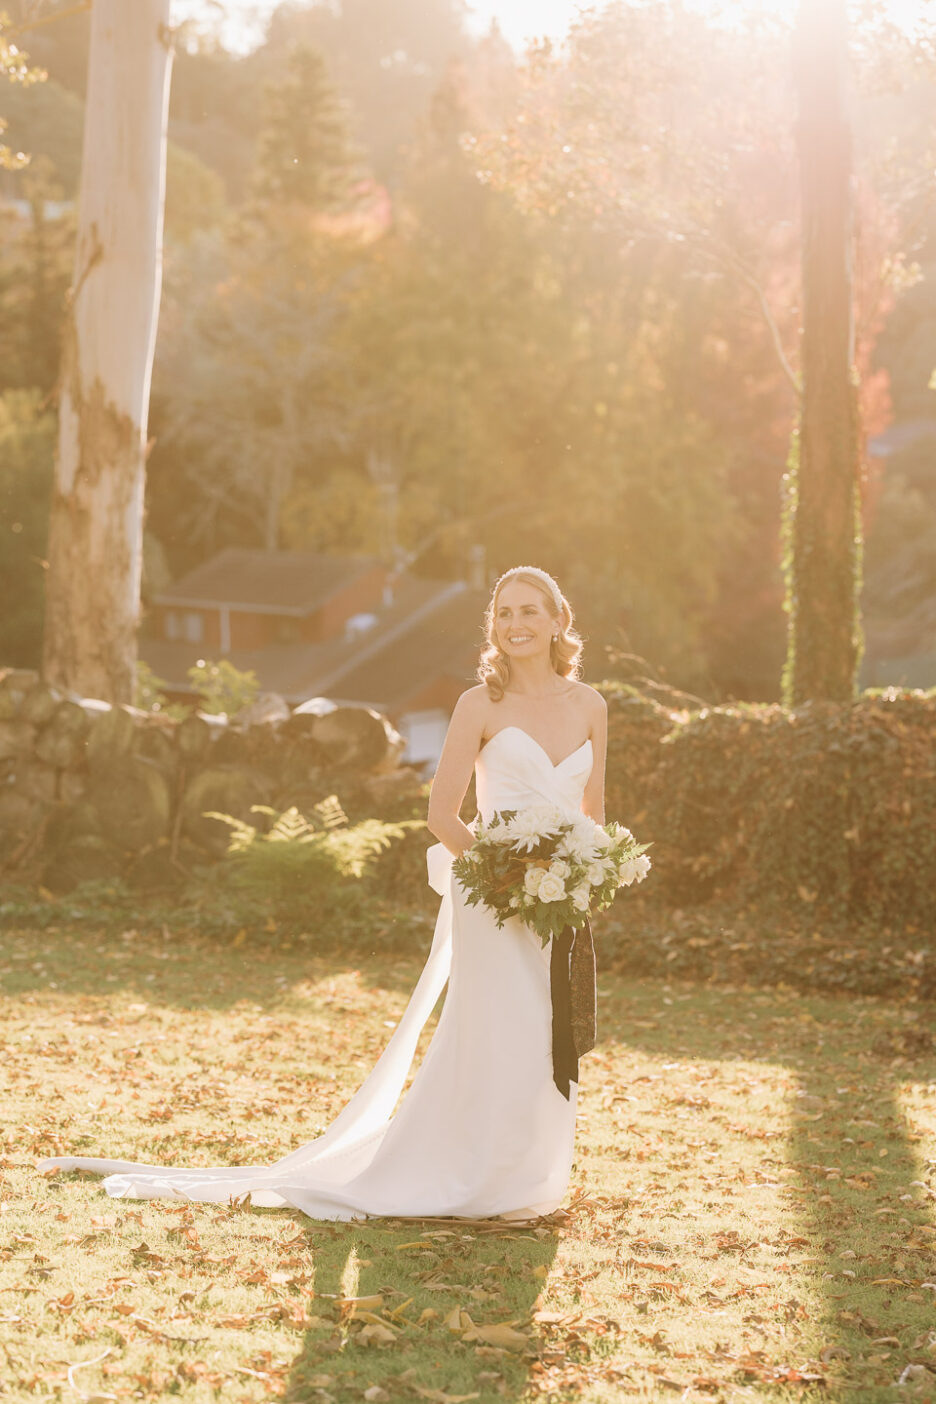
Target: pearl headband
{"x":547,"y":580}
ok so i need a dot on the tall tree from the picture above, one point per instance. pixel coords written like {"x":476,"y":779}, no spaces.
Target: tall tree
{"x":824,"y":527}
{"x":96,"y":522}
{"x":305,"y":154}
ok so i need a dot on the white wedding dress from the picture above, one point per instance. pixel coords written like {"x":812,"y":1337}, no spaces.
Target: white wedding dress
{"x":482,"y":1131}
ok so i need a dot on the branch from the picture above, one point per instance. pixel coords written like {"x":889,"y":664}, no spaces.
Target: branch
{"x":30,"y":25}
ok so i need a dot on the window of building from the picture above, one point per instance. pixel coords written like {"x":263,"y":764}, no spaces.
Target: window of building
{"x":194,"y":627}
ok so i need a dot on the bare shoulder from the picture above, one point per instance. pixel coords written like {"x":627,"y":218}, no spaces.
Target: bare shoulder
{"x":472,"y":704}
{"x":471,"y":710}
{"x":590,"y":700}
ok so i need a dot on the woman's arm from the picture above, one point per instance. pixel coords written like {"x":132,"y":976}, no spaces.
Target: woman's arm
{"x":593,"y":800}
{"x":450,"y":785}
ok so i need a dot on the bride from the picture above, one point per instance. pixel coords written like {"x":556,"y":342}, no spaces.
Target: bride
{"x":484,"y":1129}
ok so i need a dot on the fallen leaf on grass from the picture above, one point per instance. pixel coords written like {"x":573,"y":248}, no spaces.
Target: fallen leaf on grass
{"x":376,"y":1334}
{"x":352,"y":1304}
{"x":370,"y":1317}
{"x":440,"y":1396}
{"x":376,"y":1394}
{"x":458,"y":1320}
{"x":504,"y":1336}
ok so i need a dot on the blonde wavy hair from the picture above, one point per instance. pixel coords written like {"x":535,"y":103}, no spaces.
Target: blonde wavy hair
{"x":565,"y":651}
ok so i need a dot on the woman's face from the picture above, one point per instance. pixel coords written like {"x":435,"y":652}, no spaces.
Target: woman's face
{"x":523,"y":625}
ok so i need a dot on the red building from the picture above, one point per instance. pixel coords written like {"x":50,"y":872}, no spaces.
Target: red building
{"x":312,"y":625}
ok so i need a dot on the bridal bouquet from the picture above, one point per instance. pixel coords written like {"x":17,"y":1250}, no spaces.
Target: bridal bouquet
{"x":549,"y":867}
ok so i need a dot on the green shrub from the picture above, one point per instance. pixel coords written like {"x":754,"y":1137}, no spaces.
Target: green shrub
{"x":826,"y":810}
{"x":222,"y":687}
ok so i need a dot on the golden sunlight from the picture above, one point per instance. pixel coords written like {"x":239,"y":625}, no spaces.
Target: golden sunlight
{"x":242,"y":22}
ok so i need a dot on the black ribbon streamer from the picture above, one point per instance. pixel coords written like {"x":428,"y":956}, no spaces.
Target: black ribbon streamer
{"x":574,"y":1002}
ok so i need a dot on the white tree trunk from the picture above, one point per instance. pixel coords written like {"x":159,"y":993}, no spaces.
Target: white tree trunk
{"x":96,"y":526}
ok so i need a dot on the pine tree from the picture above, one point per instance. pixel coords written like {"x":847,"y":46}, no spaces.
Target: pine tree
{"x":305,"y":152}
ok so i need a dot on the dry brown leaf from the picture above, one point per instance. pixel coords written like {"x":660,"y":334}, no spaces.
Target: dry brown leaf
{"x":453,"y":1320}
{"x":369,"y":1316}
{"x":503,"y":1335}
{"x":376,"y":1334}
{"x":440,"y":1396}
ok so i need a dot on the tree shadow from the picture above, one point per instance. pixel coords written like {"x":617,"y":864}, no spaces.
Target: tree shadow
{"x":187,"y":972}
{"x":411,"y":1275}
{"x":858,"y":1184}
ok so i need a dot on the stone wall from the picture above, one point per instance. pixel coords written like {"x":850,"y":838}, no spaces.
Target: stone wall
{"x":90,"y":790}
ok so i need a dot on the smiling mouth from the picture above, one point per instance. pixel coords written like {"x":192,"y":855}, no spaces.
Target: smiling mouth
{"x":519,"y":638}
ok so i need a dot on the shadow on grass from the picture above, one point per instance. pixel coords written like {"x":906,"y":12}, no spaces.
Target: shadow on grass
{"x":416,"y":1267}
{"x":185,"y":971}
{"x":859,"y":1185}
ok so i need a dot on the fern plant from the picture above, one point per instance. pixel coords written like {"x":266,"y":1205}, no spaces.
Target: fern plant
{"x":297,"y":854}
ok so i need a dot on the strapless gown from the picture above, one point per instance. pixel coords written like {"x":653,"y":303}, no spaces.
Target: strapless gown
{"x":482,"y":1131}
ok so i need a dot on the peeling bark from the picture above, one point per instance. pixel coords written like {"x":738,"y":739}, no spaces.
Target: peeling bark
{"x":96,"y":523}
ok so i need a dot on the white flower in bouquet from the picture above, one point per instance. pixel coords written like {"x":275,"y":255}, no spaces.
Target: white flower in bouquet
{"x":529,"y":827}
{"x":633,"y":870}
{"x":551,"y":889}
{"x":549,"y":866}
{"x":581,"y":897}
{"x":532,"y":879}
{"x":578,"y":850}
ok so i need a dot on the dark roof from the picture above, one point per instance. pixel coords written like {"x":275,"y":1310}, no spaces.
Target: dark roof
{"x":289,"y":582}
{"x":443,"y":643}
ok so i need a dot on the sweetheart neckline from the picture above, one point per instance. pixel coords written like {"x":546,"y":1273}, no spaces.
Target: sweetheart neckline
{"x":555,"y":764}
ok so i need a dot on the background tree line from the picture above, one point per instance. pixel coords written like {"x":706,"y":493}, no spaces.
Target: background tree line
{"x":546,"y":304}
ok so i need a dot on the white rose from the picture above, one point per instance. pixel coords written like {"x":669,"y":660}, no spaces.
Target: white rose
{"x":532,"y":879}
{"x":560,"y":868}
{"x":551,"y":889}
{"x":629,"y":872}
{"x":643,"y":866}
{"x":596,"y":874}
{"x":581,"y":896}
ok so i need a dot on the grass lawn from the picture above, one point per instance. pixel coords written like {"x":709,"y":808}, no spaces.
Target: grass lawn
{"x":752,"y":1213}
